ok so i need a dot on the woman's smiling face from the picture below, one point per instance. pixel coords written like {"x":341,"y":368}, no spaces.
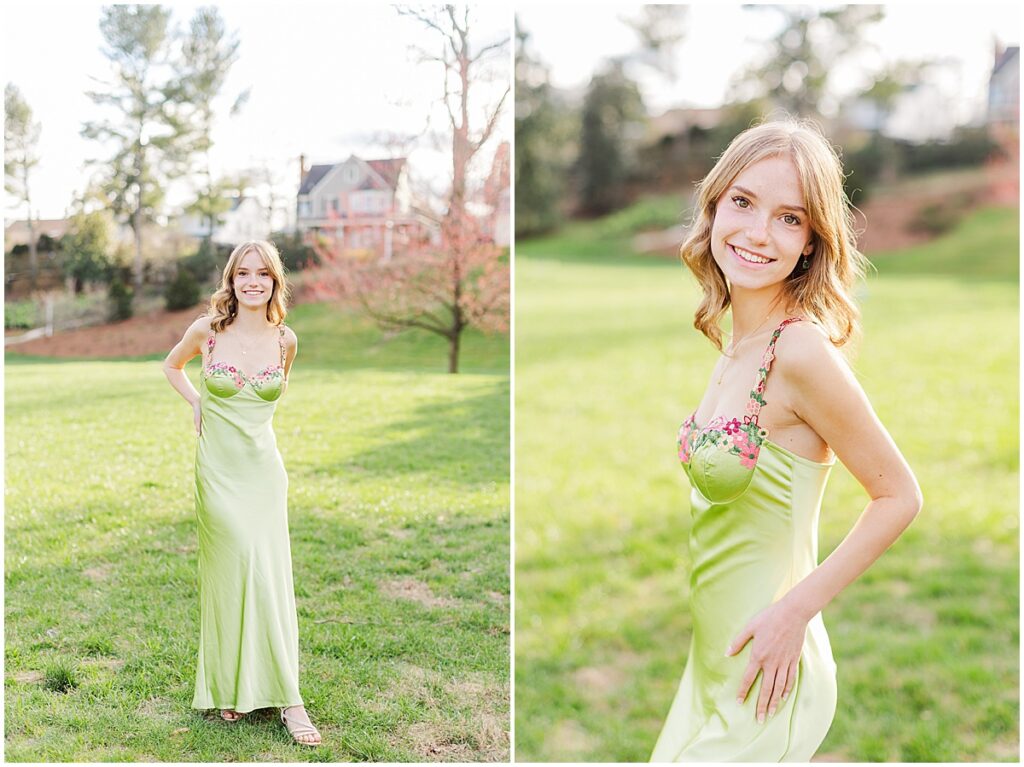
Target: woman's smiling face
{"x":253,"y":283}
{"x":761,"y":227}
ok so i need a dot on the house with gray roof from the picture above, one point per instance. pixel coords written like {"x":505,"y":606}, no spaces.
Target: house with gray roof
{"x":365,"y":204}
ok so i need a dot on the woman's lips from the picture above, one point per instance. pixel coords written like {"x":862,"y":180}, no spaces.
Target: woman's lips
{"x":748,"y":255}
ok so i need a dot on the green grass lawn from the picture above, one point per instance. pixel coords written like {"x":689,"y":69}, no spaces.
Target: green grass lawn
{"x":608,"y":365}
{"x":399,"y":519}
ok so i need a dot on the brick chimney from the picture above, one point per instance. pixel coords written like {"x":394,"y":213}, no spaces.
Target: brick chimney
{"x":303,"y":170}
{"x":998,"y":49}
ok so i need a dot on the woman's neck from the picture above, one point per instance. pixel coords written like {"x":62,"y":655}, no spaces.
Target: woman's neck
{"x":251,"y":320}
{"x":752,"y":311}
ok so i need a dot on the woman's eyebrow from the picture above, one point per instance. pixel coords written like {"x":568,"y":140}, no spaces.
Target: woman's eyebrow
{"x":749,"y":193}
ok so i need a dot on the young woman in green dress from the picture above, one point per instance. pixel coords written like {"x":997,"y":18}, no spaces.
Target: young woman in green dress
{"x":248,"y":644}
{"x":773,"y":244}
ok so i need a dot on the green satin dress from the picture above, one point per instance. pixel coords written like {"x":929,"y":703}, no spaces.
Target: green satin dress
{"x":249,"y":636}
{"x":755,"y":508}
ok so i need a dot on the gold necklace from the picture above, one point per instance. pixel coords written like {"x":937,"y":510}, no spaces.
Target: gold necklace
{"x":242,"y":347}
{"x":735,"y":344}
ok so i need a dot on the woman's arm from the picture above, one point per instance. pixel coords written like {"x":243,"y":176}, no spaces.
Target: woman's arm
{"x":291,"y":344}
{"x":824,"y":393}
{"x":827,"y":397}
{"x":173,"y":366}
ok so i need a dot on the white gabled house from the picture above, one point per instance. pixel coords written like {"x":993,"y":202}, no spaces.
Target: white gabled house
{"x":245,"y":220}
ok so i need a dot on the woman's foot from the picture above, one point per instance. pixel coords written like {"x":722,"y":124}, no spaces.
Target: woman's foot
{"x":228,"y":715}
{"x":302,"y":730}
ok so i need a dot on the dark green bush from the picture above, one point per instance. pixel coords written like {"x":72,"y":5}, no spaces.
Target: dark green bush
{"x":969,"y":146}
{"x":120,"y":296}
{"x":47,"y":243}
{"x":183,"y":291}
{"x":19,"y":315}
{"x":208,"y":261}
{"x":296,"y":255}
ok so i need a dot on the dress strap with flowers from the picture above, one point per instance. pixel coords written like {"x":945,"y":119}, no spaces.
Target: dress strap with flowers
{"x":742,"y":439}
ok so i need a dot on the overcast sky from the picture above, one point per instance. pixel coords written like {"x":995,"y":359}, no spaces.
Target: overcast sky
{"x":324,"y":78}
{"x":723,"y":37}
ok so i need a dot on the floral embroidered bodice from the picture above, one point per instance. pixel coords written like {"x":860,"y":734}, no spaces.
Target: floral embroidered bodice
{"x":224,"y":380}
{"x":720,"y":457}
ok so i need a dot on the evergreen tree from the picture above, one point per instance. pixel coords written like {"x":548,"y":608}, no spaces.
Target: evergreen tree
{"x":612,"y":120}
{"x":21,"y":135}
{"x":86,"y":248}
{"x":540,"y":141}
{"x":147,"y":131}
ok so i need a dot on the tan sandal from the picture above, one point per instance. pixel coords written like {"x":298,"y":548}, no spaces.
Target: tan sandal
{"x":232,"y":719}
{"x":297,"y":729}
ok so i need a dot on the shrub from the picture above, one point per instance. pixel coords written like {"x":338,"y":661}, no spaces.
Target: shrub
{"x":120,"y":296}
{"x":969,"y":146}
{"x":206,"y":261}
{"x":296,"y":255}
{"x":183,"y":291}
{"x":939,"y":217}
{"x":46,"y":243}
{"x":20,"y":315}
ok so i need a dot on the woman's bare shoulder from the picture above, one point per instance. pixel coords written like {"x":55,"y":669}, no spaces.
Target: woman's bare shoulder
{"x":804,"y":352}
{"x":200,"y":327}
{"x":291,"y":340}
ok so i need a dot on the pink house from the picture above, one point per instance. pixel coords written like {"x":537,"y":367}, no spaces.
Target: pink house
{"x":365,"y":204}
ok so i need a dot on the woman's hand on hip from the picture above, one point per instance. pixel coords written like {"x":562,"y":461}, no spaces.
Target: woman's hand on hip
{"x":778,"y":637}
{"x":197,"y":413}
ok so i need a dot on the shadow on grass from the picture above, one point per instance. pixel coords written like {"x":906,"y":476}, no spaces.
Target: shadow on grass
{"x":448,"y":438}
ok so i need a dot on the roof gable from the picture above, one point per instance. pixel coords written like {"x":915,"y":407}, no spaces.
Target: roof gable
{"x":315,"y":175}
{"x":389,"y":170}
{"x":1007,"y":56}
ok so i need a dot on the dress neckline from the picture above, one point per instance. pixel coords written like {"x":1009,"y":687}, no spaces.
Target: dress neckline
{"x":209,"y":365}
{"x":742,"y":438}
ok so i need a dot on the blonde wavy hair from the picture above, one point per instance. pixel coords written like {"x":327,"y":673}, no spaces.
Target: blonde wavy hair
{"x":822,"y":291}
{"x":224,"y":304}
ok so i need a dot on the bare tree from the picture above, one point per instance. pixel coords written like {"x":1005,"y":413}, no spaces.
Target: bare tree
{"x":464,"y":280}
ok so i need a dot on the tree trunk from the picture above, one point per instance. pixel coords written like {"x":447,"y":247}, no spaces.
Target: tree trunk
{"x":137,"y":214}
{"x":453,"y":351}
{"x":33,"y":256}
{"x":137,"y":228}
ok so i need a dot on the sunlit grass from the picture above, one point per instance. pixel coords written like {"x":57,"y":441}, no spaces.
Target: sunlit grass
{"x":608,"y":365}
{"x":399,"y":518}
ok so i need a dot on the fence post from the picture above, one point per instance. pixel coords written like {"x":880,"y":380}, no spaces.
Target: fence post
{"x":49,"y":314}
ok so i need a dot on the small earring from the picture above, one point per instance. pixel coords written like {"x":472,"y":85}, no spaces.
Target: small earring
{"x":805,"y":263}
